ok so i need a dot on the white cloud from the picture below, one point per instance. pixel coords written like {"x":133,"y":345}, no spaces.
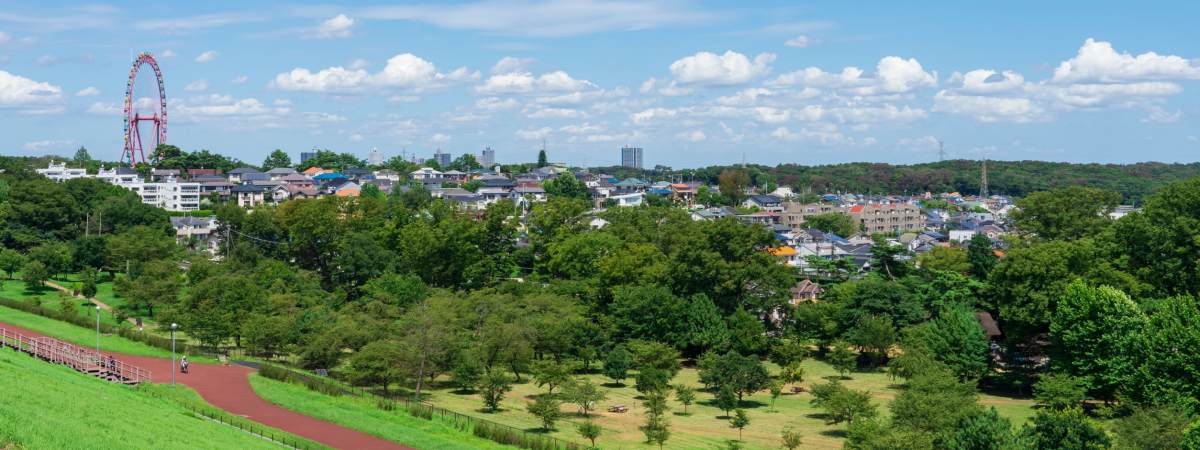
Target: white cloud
{"x":496,"y":103}
{"x":339,"y":26}
{"x":1096,"y":61}
{"x":196,"y":86}
{"x":439,"y":137}
{"x":31,"y":96}
{"x":221,"y":105}
{"x":46,"y":60}
{"x":798,"y":42}
{"x":168,"y":53}
{"x":646,"y":116}
{"x":555,"y":113}
{"x":1160,"y":115}
{"x":647,"y":85}
{"x":49,"y":145}
{"x":510,"y":64}
{"x":893,"y":75}
{"x":744,"y":97}
{"x":989,"y":81}
{"x":4,"y":38}
{"x":104,"y":108}
{"x":88,"y":92}
{"x":182,"y":25}
{"x":989,"y":109}
{"x":525,"y":83}
{"x":239,"y":79}
{"x":727,"y":69}
{"x":583,"y":128}
{"x":550,"y":18}
{"x":404,"y":98}
{"x":402,"y":71}
{"x":533,"y":134}
{"x":207,"y":56}
{"x":693,"y":136}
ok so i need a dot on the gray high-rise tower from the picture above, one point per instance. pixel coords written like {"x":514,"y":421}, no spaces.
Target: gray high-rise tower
{"x":631,"y":157}
{"x":487,"y":158}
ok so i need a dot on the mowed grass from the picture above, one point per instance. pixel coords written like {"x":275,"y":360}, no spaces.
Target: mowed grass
{"x":83,"y":336}
{"x":705,"y":426}
{"x":53,"y":298}
{"x":362,"y":414}
{"x":52,"y":406}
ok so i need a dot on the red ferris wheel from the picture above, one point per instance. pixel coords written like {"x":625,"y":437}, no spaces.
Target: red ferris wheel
{"x":133,"y":152}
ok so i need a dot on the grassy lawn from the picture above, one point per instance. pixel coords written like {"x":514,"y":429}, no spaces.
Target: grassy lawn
{"x":705,"y":425}
{"x":361,"y":414}
{"x":82,"y":336}
{"x":51,"y":406}
{"x":53,"y":298}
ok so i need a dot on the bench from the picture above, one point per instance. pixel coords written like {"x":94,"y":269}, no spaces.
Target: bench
{"x":617,"y":409}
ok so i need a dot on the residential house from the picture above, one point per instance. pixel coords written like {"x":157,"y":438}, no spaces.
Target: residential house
{"x":120,"y":176}
{"x":249,"y":195}
{"x":536,"y":194}
{"x":425,"y":173}
{"x":193,"y":173}
{"x":387,"y":174}
{"x":349,"y":189}
{"x":163,"y":174}
{"x":805,"y":292}
{"x":237,"y":175}
{"x":279,"y":173}
{"x":765,"y":203}
{"x":455,"y":176}
{"x":314,"y":171}
{"x":684,"y":193}
{"x":787,"y":254}
{"x":632,"y":199}
{"x":198,"y":233}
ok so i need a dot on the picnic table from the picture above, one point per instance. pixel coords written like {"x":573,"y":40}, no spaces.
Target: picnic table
{"x":617,"y":409}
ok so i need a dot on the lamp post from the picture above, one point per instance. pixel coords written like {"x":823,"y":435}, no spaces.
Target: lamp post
{"x":173,"y":327}
{"x":97,"y":331}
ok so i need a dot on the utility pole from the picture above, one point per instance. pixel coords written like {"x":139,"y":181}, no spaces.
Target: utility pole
{"x":983,"y":181}
{"x":941,"y":150}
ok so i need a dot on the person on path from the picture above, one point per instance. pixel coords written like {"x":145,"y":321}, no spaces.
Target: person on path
{"x":183,"y":365}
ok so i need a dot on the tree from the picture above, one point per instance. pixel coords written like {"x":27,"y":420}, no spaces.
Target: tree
{"x":733,"y":184}
{"x":649,"y":354}
{"x":551,"y":374}
{"x":616,"y":364}
{"x":837,"y":223}
{"x":1067,"y":429}
{"x":138,"y":245}
{"x":492,"y":388}
{"x":464,"y":163}
{"x":1153,"y":428}
{"x":842,"y":404}
{"x":726,"y":399}
{"x":55,"y":256}
{"x":1169,"y":353}
{"x":546,"y":409}
{"x":35,"y":275}
{"x":375,"y":364}
{"x":791,"y":373}
{"x":583,"y":392}
{"x":566,"y":185}
{"x":88,"y":290}
{"x":950,"y":259}
{"x":82,"y":156}
{"x":889,"y":259}
{"x":158,"y":284}
{"x":652,"y":379}
{"x":874,"y":335}
{"x":980,"y":255}
{"x":740,"y":421}
{"x":11,"y":261}
{"x":745,"y":374}
{"x":163,"y":152}
{"x":1065,"y":213}
{"x":589,"y":430}
{"x":541,"y":160}
{"x":776,"y":389}
{"x":466,"y":373}
{"x":657,"y":428}
{"x":685,"y":395}
{"x":747,"y":333}
{"x":791,"y":438}
{"x":1191,"y":437}
{"x":841,"y":357}
{"x":276,"y":159}
{"x":1093,"y":332}
{"x":953,"y":338}
{"x":983,"y":430}
{"x":1059,"y":391}
{"x":787,"y":352}
{"x":933,"y":402}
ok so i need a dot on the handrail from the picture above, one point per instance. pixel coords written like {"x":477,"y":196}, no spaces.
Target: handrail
{"x":76,"y":357}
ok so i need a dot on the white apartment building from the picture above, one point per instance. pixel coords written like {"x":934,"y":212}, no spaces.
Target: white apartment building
{"x":169,"y":194}
{"x":60,"y":172}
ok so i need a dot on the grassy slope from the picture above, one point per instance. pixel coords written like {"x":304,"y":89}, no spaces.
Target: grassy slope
{"x":702,"y":428}
{"x":82,"y":336}
{"x":362,"y":415}
{"x":51,"y":406}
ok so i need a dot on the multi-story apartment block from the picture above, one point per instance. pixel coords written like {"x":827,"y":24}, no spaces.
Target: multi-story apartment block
{"x":60,"y":172}
{"x":888,"y":218}
{"x":794,"y":214}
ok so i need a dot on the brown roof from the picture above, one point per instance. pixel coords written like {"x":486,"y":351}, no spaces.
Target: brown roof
{"x":990,"y":328}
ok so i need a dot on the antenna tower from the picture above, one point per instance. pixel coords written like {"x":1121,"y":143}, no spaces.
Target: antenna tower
{"x":983,"y":181}
{"x":941,"y":150}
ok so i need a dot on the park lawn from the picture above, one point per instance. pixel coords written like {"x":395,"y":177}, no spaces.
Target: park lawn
{"x":84,"y":336}
{"x":52,"y":406}
{"x":705,"y":426}
{"x":362,"y":414}
{"x":52,"y":298}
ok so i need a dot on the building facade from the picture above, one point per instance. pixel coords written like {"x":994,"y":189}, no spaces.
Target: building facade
{"x":631,"y":157}
{"x":305,"y":156}
{"x":442,"y":158}
{"x":375,"y":158}
{"x":888,"y":218}
{"x":487,"y":158}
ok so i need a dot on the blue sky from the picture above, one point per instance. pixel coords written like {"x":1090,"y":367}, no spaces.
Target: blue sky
{"x":694,"y":83}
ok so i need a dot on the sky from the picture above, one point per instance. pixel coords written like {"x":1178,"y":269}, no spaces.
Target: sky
{"x":694,"y":83}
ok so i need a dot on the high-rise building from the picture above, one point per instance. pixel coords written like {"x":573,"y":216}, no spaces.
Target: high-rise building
{"x":375,"y":158}
{"x":631,"y":157}
{"x":443,"y":159}
{"x":487,"y":159}
{"x":305,"y":156}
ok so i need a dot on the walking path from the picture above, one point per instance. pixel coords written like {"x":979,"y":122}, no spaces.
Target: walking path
{"x":228,"y":388}
{"x":97,"y":301}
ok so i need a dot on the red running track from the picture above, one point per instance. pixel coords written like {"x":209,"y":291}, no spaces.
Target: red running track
{"x":228,"y":388}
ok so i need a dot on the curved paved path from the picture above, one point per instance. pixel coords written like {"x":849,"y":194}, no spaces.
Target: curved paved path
{"x":228,"y":388}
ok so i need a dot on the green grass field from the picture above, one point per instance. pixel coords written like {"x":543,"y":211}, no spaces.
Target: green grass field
{"x":53,"y":298}
{"x":83,"y":336}
{"x":705,"y":426}
{"x":51,"y":406}
{"x":363,"y":415}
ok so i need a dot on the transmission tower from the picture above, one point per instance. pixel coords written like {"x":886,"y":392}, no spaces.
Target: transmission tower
{"x":983,"y":182}
{"x":941,"y":150}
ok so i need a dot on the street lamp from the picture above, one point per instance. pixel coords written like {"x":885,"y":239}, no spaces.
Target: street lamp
{"x":173,"y":327}
{"x":97,"y":331}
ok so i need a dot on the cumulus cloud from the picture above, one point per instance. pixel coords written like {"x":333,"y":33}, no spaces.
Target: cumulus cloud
{"x":554,"y":113}
{"x":27,"y":95}
{"x":989,"y":109}
{"x":798,"y":42}
{"x":196,"y":86}
{"x":88,"y":92}
{"x":1159,"y":115}
{"x":510,"y":64}
{"x":692,"y":136}
{"x":893,"y":75}
{"x":496,"y":103}
{"x":207,"y":56}
{"x":49,"y":145}
{"x":402,"y":71}
{"x":648,"y":115}
{"x":339,"y":26}
{"x":1097,"y":61}
{"x":729,"y":68}
{"x":168,"y":53}
{"x":239,"y":79}
{"x":526,"y":83}
{"x":534,"y":134}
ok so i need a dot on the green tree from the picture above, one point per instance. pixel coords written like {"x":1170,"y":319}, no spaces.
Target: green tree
{"x":493,"y":387}
{"x":546,"y":409}
{"x":583,"y":392}
{"x":776,"y":389}
{"x":466,"y":373}
{"x":1094,"y":332}
{"x":1067,"y":429}
{"x":740,"y":421}
{"x":55,"y":256}
{"x":733,"y":185}
{"x":11,"y":261}
{"x":842,"y":404}
{"x":82,"y":156}
{"x":950,"y":259}
{"x":1191,"y":437}
{"x":842,"y":358}
{"x":649,"y":354}
{"x":1065,"y":213}
{"x":874,"y":335}
{"x":35,"y":275}
{"x":791,"y":439}
{"x":980,"y":255}
{"x":1169,"y":354}
{"x":657,"y":428}
{"x":541,"y":159}
{"x":726,"y":399}
{"x":464,"y":163}
{"x":983,"y":430}
{"x":376,"y":364}
{"x":837,"y":223}
{"x":566,"y":185}
{"x":652,"y":379}
{"x":791,"y":373}
{"x":953,"y":338}
{"x":589,"y":430}
{"x":158,"y":284}
{"x":1153,"y":428}
{"x":747,"y":333}
{"x":685,"y":395}
{"x":745,"y":374}
{"x":616,"y":364}
{"x":551,"y":374}
{"x":933,"y":402}
{"x":88,"y":290}
{"x":1059,"y":391}
{"x":276,"y":159}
